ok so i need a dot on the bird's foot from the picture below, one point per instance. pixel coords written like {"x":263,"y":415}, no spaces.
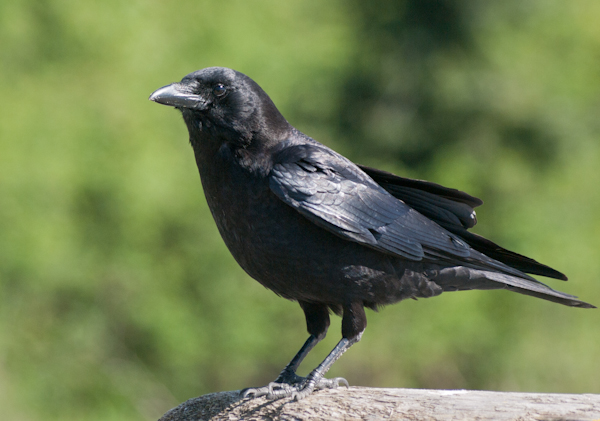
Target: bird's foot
{"x":308,"y":386}
{"x":294,"y":386}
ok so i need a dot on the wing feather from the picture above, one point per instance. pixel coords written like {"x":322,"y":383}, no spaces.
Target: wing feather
{"x":335,"y":194}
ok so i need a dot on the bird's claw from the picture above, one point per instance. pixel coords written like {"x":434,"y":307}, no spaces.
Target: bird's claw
{"x":254,"y":392}
{"x":331,"y":383}
{"x":296,"y":391}
{"x":273,"y":390}
{"x":309,"y":386}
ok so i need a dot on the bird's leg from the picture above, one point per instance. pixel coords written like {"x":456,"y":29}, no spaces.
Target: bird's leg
{"x":317,"y":322}
{"x":288,"y":374}
{"x":354,"y":322}
{"x":316,"y":379}
{"x":287,"y":378}
{"x":290,"y":384}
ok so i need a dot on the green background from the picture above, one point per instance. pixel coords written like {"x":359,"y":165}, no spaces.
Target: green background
{"x":118,"y":299}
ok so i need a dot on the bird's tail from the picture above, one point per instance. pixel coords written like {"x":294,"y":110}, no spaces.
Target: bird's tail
{"x":463,"y":278}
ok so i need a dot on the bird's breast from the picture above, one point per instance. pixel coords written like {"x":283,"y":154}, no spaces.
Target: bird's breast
{"x":282,"y":249}
{"x":242,"y":206}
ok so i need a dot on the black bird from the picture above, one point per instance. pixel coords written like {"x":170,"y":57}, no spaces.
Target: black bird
{"x":315,"y":228}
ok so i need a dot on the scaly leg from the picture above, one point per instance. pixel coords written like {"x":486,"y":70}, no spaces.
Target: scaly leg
{"x":289,"y":383}
{"x":287,"y":377}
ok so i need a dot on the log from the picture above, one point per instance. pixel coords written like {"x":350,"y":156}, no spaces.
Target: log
{"x":360,"y":403}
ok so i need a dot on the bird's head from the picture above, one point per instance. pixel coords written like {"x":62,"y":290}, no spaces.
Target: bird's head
{"x":223,"y":105}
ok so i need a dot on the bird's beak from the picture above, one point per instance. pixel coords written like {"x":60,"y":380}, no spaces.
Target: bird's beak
{"x":176,"y":95}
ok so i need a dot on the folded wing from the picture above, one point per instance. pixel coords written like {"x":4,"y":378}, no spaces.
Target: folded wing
{"x":454,"y":210}
{"x":338,"y":196}
{"x":335,"y":194}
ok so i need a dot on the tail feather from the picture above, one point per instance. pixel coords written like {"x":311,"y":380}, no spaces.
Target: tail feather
{"x":464,"y":278}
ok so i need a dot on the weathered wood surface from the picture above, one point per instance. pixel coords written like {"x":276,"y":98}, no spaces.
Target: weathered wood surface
{"x":359,"y":403}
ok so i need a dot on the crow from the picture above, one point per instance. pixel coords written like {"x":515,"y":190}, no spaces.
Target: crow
{"x":313,"y":227}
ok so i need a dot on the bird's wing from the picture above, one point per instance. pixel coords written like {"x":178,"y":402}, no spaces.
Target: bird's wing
{"x":335,"y":194}
{"x":454,"y":211}
{"x":442,"y":204}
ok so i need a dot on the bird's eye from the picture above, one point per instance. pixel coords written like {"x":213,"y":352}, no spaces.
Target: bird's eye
{"x":219,"y":90}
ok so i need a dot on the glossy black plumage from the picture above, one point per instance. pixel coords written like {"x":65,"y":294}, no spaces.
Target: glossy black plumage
{"x":314,"y":227}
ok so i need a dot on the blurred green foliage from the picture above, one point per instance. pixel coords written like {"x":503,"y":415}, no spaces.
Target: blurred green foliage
{"x":118,"y":299}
